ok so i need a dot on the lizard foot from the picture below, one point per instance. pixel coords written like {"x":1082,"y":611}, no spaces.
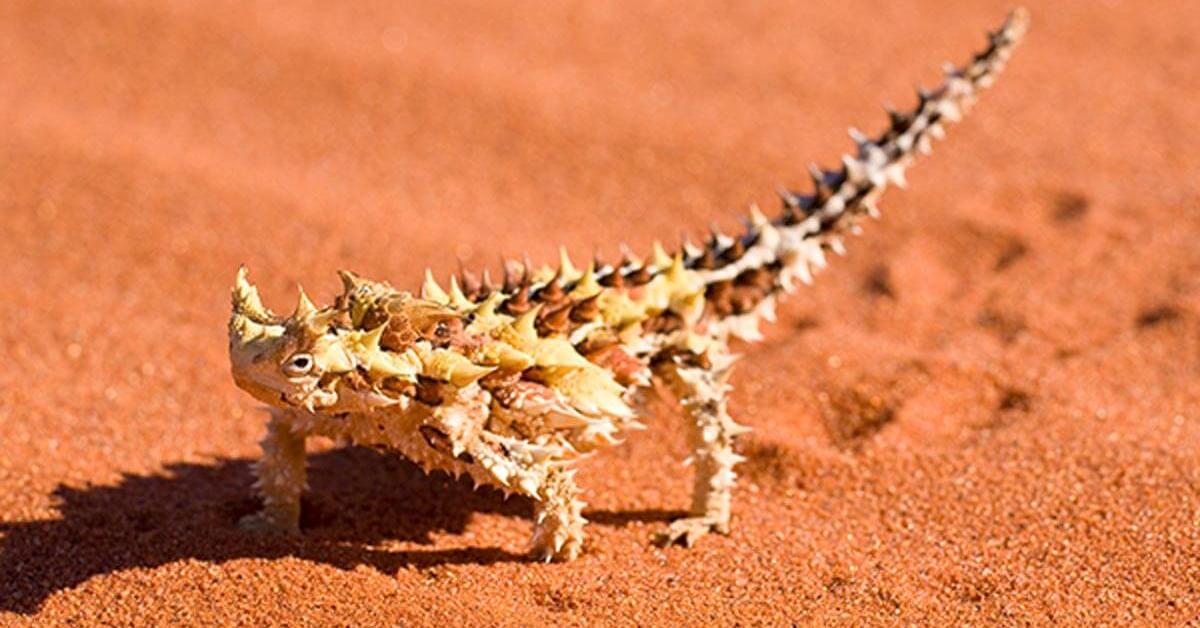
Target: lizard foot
{"x":689,"y":530}
{"x":265,"y":524}
{"x":558,"y":548}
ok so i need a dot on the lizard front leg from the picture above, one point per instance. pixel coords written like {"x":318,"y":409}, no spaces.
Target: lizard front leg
{"x":702,"y":388}
{"x":280,"y":478}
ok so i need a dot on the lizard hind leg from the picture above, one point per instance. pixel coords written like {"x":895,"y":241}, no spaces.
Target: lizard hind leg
{"x":701,"y":386}
{"x":558,"y":519}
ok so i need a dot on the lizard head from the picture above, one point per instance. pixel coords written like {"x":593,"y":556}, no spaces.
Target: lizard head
{"x":285,"y":362}
{"x":331,"y":360}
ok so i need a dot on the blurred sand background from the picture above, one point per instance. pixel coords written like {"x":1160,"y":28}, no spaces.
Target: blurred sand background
{"x":986,"y":413}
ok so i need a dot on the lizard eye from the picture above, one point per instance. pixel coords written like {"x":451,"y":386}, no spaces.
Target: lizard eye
{"x":297,"y":365}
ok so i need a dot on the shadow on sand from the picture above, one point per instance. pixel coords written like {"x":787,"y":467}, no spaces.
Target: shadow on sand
{"x":357,"y":497}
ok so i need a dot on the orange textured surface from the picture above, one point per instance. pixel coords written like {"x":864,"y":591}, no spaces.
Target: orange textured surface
{"x":986,"y":412}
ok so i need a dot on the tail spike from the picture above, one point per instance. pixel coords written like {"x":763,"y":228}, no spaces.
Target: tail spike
{"x":640,"y":275}
{"x":689,"y":249}
{"x":821,"y":189}
{"x":613,"y":279}
{"x":659,"y":256}
{"x":707,"y":260}
{"x":858,"y":137}
{"x":790,"y":200}
{"x":758,"y":219}
{"x":629,"y":259}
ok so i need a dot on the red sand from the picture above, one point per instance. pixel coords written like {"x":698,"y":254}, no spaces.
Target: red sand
{"x":986,"y":413}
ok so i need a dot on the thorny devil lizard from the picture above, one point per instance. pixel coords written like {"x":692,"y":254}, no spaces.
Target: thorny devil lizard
{"x":511,"y":384}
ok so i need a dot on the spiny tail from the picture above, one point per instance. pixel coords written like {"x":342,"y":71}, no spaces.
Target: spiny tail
{"x":741,"y":276}
{"x":792,"y":246}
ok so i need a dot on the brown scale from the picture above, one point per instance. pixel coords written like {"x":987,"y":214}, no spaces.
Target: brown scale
{"x":471,"y":287}
{"x":745,"y":298}
{"x":624,"y":367}
{"x":596,"y":341}
{"x":706,"y":261}
{"x":485,"y":286}
{"x":556,"y":321}
{"x":614,"y":279}
{"x":760,"y":277}
{"x":399,"y":386}
{"x":519,"y":302}
{"x":552,"y":293}
{"x":356,"y":379}
{"x":734,"y":252}
{"x":739,"y":295}
{"x":509,"y":282}
{"x":498,"y":379}
{"x":664,"y":323}
{"x":679,"y":355}
{"x":586,"y":310}
{"x":640,"y":276}
{"x":430,"y":391}
{"x":717,"y":298}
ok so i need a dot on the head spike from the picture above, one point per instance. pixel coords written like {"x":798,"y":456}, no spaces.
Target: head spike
{"x":246,"y":300}
{"x":304,"y":306}
{"x":350,"y":281}
{"x":431,"y":291}
{"x":458,"y":300}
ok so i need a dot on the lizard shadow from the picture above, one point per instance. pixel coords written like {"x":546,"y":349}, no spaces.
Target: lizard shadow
{"x":190,"y":510}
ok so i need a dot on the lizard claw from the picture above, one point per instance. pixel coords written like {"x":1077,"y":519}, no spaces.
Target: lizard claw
{"x":568,"y":550}
{"x":688,"y":530}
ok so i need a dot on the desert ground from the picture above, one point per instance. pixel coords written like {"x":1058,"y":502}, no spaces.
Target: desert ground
{"x":986,"y":413}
